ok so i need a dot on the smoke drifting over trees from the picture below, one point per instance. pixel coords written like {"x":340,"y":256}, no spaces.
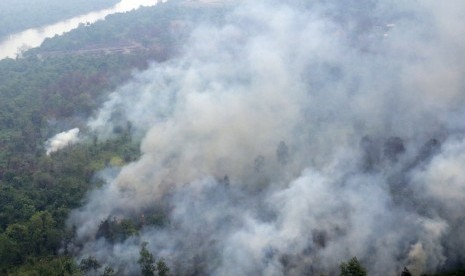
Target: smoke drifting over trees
{"x":62,"y":140}
{"x":288,"y":137}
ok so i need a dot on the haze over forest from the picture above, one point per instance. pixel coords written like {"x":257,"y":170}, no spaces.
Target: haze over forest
{"x":232,"y":137}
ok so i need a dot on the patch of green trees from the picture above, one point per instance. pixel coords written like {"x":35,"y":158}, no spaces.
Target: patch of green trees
{"x":39,"y":97}
{"x":38,"y":191}
{"x":164,"y":26}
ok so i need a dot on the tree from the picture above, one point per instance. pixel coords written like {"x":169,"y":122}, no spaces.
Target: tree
{"x":88,"y":264}
{"x":108,"y":271}
{"x":146,"y":261}
{"x":44,"y":237}
{"x":352,"y":268}
{"x":163,"y":269}
{"x":10,"y":252}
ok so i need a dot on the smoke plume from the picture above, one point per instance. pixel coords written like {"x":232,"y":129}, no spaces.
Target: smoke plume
{"x":62,"y":140}
{"x":288,"y":137}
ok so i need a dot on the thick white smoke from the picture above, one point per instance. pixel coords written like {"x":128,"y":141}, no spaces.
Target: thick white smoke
{"x":61,"y":140}
{"x":289,"y":137}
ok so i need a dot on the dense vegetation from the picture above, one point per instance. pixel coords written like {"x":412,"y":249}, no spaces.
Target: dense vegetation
{"x":164,"y":26}
{"x":19,"y":15}
{"x":54,"y":88}
{"x":44,"y":93}
{"x":37,"y":191}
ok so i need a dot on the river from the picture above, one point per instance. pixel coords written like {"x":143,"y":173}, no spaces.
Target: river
{"x":34,"y":37}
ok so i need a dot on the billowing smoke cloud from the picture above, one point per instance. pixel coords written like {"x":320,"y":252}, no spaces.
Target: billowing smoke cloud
{"x":61,"y":140}
{"x":288,"y":137}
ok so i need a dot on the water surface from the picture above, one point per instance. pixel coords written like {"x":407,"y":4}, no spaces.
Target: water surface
{"x":30,"y":38}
